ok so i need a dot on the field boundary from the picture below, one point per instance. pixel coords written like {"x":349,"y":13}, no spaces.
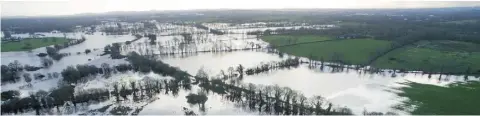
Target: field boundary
{"x":301,"y":43}
{"x":375,"y":58}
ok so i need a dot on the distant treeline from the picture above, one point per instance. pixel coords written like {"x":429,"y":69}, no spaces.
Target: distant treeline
{"x":214,"y":31}
{"x":425,"y":16}
{"x":45,"y":24}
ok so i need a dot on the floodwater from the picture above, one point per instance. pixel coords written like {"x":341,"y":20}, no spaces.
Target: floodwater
{"x":355,"y":90}
{"x":351,"y":89}
{"x":171,"y":105}
{"x":95,"y":41}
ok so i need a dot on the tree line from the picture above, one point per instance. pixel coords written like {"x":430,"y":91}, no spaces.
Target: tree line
{"x":114,"y":50}
{"x":184,"y":46}
{"x":220,"y":87}
{"x":68,"y":96}
{"x":214,"y":31}
{"x":269,"y":99}
{"x":53,"y":51}
{"x":12,"y":71}
{"x":290,"y":62}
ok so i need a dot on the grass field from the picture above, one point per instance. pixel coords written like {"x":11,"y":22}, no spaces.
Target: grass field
{"x":449,"y":46}
{"x":457,"y":98}
{"x":436,"y":56}
{"x":353,"y":51}
{"x":454,"y":57}
{"x":279,"y":40}
{"x":34,"y":43}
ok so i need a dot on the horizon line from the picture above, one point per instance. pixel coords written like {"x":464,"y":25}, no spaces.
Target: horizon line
{"x":217,"y":9}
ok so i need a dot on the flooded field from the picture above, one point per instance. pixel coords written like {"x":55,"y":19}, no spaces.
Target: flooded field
{"x":349,"y":88}
{"x":354,"y":89}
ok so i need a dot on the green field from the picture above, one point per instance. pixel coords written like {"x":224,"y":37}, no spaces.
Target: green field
{"x":353,"y":51}
{"x":279,"y":40}
{"x":34,"y":43}
{"x":449,"y":46}
{"x":457,"y":98}
{"x":454,"y":57}
{"x":436,"y":56}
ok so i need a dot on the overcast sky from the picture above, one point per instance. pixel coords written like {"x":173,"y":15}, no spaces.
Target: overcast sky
{"x":67,"y":7}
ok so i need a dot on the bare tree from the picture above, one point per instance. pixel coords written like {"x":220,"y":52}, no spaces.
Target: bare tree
{"x":27,"y":77}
